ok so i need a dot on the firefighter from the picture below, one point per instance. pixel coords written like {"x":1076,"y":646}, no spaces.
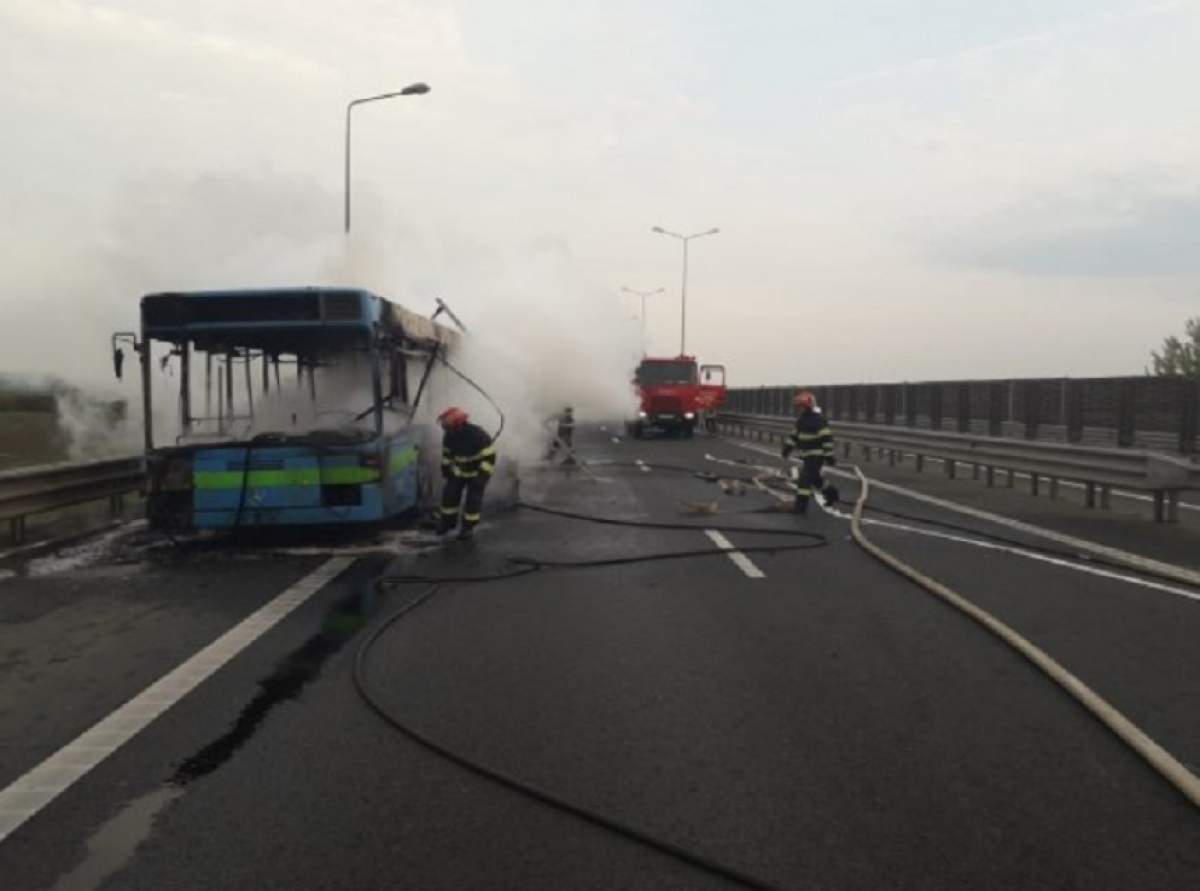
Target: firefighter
{"x":468,"y":461}
{"x":813,"y":440}
{"x":564,"y":435}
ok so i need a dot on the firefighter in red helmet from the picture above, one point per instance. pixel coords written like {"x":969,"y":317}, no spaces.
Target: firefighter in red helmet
{"x":813,"y":440}
{"x":468,"y":462}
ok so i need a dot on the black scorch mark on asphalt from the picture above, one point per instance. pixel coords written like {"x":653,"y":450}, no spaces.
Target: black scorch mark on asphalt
{"x":290,"y":676}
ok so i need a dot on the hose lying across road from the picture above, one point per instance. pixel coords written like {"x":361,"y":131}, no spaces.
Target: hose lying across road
{"x":525,"y":566}
{"x":1155,"y":755}
{"x":1170,"y":768}
{"x":1187,"y":783}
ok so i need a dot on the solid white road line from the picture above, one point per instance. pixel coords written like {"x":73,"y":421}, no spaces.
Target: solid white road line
{"x":741,"y":560}
{"x":1183,"y":574}
{"x":1007,"y":549}
{"x":41,"y":785}
{"x":642,"y":465}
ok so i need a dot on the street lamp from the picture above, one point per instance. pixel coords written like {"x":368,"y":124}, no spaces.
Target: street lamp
{"x":683,"y":288}
{"x":417,"y":89}
{"x":643,"y":295}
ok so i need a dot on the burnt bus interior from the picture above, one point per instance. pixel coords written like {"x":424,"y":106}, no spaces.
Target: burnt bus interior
{"x":239,"y":356}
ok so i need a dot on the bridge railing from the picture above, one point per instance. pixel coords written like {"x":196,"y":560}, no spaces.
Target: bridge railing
{"x":1099,"y":470}
{"x":33,"y":490}
{"x":1157,"y":413}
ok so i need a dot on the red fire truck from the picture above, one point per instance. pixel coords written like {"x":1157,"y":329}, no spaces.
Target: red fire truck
{"x":674,"y":395}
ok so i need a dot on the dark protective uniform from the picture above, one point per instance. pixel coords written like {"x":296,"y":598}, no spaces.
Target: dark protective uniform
{"x":813,"y":439}
{"x":566,"y":428}
{"x":564,"y":435}
{"x":468,"y":462}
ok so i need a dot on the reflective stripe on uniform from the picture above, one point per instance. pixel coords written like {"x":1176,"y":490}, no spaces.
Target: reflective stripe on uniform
{"x":471,"y":518}
{"x":449,"y":511}
{"x":489,"y":452}
{"x":487,"y":468}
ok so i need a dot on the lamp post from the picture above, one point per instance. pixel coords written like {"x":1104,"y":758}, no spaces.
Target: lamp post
{"x":417,"y":89}
{"x":683,"y":288}
{"x":643,"y":295}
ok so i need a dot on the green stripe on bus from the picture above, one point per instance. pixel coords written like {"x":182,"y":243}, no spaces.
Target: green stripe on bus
{"x":400,"y":460}
{"x":301,"y":476}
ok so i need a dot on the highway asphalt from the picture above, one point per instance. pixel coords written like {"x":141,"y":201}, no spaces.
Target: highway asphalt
{"x":825,"y":725}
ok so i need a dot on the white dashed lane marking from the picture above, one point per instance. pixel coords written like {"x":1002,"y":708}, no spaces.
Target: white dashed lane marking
{"x":740,"y":560}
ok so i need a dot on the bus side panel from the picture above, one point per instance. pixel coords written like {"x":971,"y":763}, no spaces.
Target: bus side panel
{"x":287,"y":485}
{"x":404,"y":470}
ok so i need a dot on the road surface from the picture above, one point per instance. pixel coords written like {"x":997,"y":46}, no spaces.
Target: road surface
{"x":807,"y":717}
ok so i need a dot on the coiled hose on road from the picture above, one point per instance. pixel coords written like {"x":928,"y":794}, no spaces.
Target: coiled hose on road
{"x":524,"y":566}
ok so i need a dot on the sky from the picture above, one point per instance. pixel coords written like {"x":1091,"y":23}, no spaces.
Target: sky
{"x":905,"y":190}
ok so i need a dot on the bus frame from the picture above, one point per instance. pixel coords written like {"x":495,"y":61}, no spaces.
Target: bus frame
{"x":212,"y":478}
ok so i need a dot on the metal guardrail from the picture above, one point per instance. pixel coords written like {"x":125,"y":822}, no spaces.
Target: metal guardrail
{"x":1099,"y":470}
{"x":46,"y":487}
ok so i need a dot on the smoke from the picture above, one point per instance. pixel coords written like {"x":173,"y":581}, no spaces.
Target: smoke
{"x":542,"y":334}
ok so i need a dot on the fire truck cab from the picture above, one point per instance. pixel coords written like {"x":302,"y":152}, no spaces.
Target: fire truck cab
{"x":674,"y":395}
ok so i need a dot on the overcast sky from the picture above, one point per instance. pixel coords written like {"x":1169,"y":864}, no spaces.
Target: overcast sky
{"x":906,"y":190}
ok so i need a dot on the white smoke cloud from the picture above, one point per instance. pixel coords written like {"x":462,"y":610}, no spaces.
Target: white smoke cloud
{"x":541,"y":335}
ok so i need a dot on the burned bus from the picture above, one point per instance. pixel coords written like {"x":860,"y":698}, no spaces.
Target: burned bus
{"x":292,"y":407}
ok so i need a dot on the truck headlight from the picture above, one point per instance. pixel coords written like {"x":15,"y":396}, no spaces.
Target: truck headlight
{"x":641,"y":414}
{"x":689,"y":415}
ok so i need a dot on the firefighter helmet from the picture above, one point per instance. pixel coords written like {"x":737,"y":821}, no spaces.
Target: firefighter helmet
{"x":452,"y":418}
{"x":804,"y":399}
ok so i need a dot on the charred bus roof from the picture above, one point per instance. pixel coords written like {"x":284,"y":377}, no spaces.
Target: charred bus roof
{"x":285,"y":319}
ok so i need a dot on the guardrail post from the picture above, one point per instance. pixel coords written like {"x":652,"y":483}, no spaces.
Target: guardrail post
{"x":1035,"y":484}
{"x":1012,"y":478}
{"x":951,"y":467}
{"x":846,"y":450}
{"x":16,"y":528}
{"x":1053,"y":488}
{"x":991,"y":476}
{"x":920,"y":463}
{"x":1173,"y":506}
{"x":1105,"y":498}
{"x":1090,"y":494}
{"x":1158,"y":505}
{"x":891,"y":457}
{"x":866,"y":454}
{"x":974,"y":471}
